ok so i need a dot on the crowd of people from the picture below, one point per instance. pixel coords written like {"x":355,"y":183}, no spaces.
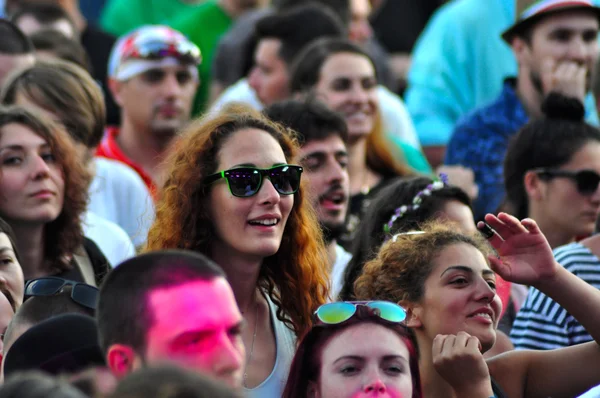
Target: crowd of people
{"x":299,"y":199}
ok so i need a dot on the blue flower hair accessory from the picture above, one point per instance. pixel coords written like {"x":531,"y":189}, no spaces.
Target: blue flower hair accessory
{"x":416,"y":202}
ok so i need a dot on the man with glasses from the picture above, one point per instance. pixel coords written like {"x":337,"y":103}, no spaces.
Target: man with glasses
{"x":172,"y":306}
{"x":153,"y":77}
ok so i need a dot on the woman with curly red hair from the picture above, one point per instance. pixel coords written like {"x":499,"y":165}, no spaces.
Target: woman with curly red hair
{"x":43,"y":194}
{"x":233,"y":195}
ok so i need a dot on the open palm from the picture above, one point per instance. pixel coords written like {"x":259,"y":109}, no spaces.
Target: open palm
{"x":525,"y":255}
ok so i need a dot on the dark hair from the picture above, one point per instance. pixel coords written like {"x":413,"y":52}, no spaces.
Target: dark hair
{"x":290,"y":27}
{"x":61,"y":47}
{"x":35,"y":384}
{"x":340,"y":7}
{"x":310,"y":119}
{"x":64,"y":235}
{"x":123,"y":314}
{"x":306,"y":365}
{"x":169,"y":381}
{"x":40,"y":308}
{"x":14,"y":42}
{"x":8,"y":231}
{"x":372,"y":235}
{"x":66,"y":90}
{"x":44,"y":13}
{"x":549,"y":142}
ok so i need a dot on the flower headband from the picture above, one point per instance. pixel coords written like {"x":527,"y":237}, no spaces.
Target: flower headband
{"x":416,"y":202}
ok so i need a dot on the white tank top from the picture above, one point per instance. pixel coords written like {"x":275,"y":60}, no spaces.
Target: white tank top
{"x":285,"y":341}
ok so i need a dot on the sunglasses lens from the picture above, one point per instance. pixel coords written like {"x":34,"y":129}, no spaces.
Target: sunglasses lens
{"x":389,"y":311}
{"x":43,"y":287}
{"x":286,"y":179}
{"x":587,"y":182}
{"x":85,"y":295}
{"x":243,"y":182}
{"x":334,"y":313}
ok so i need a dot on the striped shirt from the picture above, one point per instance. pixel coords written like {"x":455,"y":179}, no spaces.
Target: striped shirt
{"x":542,"y":324}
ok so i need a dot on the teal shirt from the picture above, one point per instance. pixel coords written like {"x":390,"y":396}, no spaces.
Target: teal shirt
{"x":122,"y":16}
{"x":204,"y":26}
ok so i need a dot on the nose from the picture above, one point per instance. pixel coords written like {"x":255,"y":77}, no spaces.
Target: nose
{"x":253,"y":79}
{"x":374,"y":383}
{"x":336,"y":172}
{"x":170,"y":85}
{"x":579,"y":50}
{"x":228,"y":358}
{"x":40,"y":168}
{"x":484,"y":291}
{"x":267,"y":194}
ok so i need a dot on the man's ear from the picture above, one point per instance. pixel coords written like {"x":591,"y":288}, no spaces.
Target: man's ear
{"x":121,"y":360}
{"x":114,"y":86}
{"x":413,"y":314}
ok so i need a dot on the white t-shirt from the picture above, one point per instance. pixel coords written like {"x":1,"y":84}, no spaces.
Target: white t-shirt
{"x":110,"y":238}
{"x":396,"y":119}
{"x":118,"y":194}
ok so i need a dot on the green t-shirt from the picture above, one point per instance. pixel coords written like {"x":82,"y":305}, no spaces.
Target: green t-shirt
{"x":204,"y":26}
{"x":121,"y":16}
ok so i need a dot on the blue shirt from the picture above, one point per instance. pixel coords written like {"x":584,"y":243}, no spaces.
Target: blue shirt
{"x":480,"y":141}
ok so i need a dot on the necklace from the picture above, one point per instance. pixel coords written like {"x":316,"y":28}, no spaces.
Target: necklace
{"x":251,"y":347}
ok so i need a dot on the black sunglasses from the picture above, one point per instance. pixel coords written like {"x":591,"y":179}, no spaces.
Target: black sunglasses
{"x":587,"y":180}
{"x":244,"y":182}
{"x":81,"y":293}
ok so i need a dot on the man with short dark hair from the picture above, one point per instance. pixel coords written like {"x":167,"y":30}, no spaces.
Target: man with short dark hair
{"x":32,"y":18}
{"x":172,"y":306}
{"x":555,"y":44}
{"x":16,"y":50}
{"x":323,"y":135}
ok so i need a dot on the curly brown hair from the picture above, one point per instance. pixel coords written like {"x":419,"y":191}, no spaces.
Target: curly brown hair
{"x":404,"y":263}
{"x":64,"y":235}
{"x":295,"y":278}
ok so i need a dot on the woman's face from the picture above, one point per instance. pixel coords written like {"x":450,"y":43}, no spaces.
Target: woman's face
{"x":459,"y":295}
{"x":31,"y":180}
{"x":239,"y":223}
{"x":11,"y":275}
{"x":559,"y":202}
{"x":364,"y":360}
{"x":348,"y":85}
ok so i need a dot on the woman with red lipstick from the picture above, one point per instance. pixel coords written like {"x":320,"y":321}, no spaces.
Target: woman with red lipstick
{"x":444,"y":280}
{"x":342,"y":75}
{"x":234,"y":194}
{"x":42,"y":197}
{"x":356,"y":350}
{"x":552,"y":172}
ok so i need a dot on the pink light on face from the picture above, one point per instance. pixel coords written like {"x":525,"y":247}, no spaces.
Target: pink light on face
{"x":389,"y":393}
{"x":197,"y":325}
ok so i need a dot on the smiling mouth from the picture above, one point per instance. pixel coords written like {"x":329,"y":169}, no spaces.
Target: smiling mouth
{"x":265,"y":223}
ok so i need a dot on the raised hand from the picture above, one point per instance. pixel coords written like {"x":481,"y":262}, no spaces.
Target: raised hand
{"x":458,"y":359}
{"x":565,"y":77}
{"x":525,"y":255}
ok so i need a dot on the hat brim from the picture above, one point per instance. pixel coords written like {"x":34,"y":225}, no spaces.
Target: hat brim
{"x":509,"y":34}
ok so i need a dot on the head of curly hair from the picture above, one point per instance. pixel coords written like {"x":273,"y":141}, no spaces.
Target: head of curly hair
{"x":296,"y":276}
{"x":404,"y":263}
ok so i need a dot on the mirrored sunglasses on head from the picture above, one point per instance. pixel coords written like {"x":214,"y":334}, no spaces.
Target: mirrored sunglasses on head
{"x":81,"y":293}
{"x":155,"y":49}
{"x":341,"y":311}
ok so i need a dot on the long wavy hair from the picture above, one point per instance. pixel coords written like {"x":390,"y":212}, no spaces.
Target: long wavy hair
{"x":295,"y":278}
{"x":305,"y":75}
{"x":306,"y":365}
{"x":64,"y":235}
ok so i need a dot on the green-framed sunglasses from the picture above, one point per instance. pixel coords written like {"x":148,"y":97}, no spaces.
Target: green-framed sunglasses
{"x":244,"y":182}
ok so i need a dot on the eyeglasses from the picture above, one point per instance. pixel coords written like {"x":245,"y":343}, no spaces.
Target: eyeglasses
{"x":244,"y":182}
{"x":82,"y":294}
{"x":587,"y":180}
{"x":339,"y":312}
{"x":152,"y":48}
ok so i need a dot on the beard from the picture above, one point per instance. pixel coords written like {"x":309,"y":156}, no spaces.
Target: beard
{"x":332,"y":231}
